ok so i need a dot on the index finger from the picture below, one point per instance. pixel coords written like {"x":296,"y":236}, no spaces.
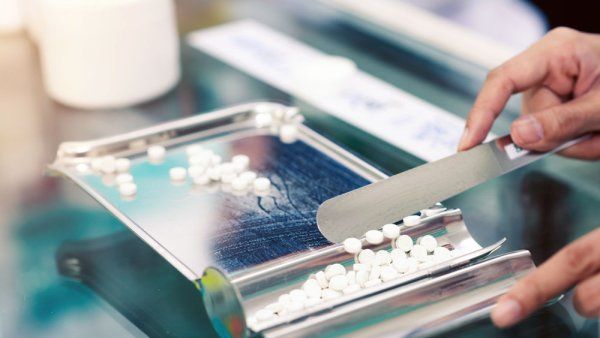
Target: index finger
{"x":573,"y":263}
{"x":520,"y":73}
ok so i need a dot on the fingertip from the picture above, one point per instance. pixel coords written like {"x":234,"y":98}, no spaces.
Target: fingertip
{"x":506,"y":313}
{"x":586,"y":298}
{"x":463,"y":143}
{"x":474,"y":133}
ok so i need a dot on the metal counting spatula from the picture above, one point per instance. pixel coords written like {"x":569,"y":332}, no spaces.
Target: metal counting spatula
{"x":388,"y":201}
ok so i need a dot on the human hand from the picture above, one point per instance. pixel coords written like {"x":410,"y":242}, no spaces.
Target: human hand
{"x":577,"y":264}
{"x":560,"y":78}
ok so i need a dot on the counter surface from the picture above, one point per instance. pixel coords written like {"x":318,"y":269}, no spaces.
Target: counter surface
{"x":118,"y":286}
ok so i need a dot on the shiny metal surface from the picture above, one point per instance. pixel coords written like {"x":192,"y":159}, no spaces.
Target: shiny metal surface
{"x":243,"y":293}
{"x":197,"y":227}
{"x":388,"y":201}
{"x":419,"y":308}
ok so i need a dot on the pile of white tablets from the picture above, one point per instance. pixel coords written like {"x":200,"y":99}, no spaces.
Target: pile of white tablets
{"x":205,"y":167}
{"x":116,"y":171}
{"x":370,"y":268}
{"x":282,"y":121}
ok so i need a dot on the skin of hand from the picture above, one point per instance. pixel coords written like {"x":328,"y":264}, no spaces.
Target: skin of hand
{"x":560,"y":80}
{"x":577,"y":264}
{"x":559,"y":77}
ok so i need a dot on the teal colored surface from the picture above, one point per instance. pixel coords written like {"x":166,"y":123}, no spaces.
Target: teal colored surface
{"x":70,"y":269}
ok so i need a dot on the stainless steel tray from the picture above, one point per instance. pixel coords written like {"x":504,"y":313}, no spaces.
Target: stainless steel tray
{"x":194,"y":228}
{"x":244,"y":250}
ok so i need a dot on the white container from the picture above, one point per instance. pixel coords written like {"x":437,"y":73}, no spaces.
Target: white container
{"x":99,"y":54}
{"x":11,"y":16}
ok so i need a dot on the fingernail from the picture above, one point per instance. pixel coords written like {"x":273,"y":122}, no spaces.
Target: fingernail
{"x":527,"y":129}
{"x":506,"y":313}
{"x":463,"y":139}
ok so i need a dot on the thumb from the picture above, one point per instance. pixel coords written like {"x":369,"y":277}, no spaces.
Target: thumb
{"x":547,"y":129}
{"x":573,"y":264}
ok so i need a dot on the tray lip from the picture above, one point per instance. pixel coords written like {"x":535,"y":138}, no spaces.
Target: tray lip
{"x":69,"y":151}
{"x":73,"y":153}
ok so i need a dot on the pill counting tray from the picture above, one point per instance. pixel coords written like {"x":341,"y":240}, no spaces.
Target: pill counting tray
{"x":244,"y":250}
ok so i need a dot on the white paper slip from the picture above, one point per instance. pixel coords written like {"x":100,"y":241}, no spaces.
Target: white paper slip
{"x":334,"y":85}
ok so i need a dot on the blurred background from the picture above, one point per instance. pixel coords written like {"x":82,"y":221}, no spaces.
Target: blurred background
{"x":119,"y":287}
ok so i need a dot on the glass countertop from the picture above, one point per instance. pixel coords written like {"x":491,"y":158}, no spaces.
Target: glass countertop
{"x":69,"y":268}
